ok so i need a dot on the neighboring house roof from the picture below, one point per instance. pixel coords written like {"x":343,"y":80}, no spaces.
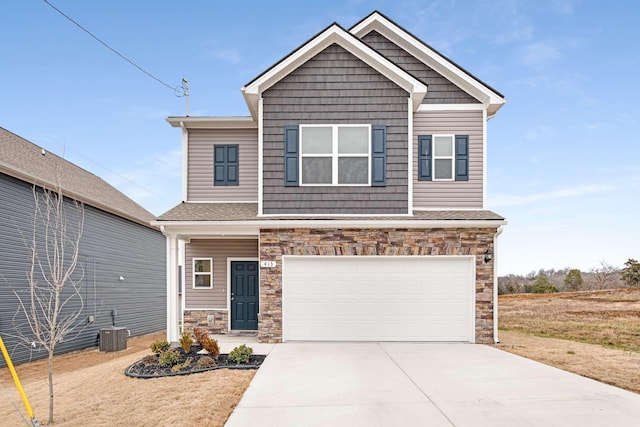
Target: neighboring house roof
{"x":334,"y":34}
{"x":378,"y":22}
{"x":249,"y":212}
{"x":28,"y":162}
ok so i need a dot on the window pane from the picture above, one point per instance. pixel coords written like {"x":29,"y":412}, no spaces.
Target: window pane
{"x":353,"y":140}
{"x":353,"y":170}
{"x":316,"y":170}
{"x":316,"y":140}
{"x":443,"y":169}
{"x":203,"y":280}
{"x":202,"y":266}
{"x":443,"y":146}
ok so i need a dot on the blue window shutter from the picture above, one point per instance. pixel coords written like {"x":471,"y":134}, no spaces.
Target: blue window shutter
{"x":462,"y":157}
{"x":219,"y":165}
{"x":424,"y":158}
{"x":378,"y":155}
{"x":291,"y":156}
{"x":232,"y":164}
{"x":225,"y":164}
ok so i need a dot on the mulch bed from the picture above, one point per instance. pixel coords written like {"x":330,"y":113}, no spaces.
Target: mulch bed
{"x":143,"y":369}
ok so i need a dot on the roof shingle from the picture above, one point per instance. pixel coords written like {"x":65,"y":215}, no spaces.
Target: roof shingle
{"x":25,"y":161}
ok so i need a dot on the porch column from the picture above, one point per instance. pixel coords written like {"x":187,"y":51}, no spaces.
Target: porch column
{"x":172,"y":287}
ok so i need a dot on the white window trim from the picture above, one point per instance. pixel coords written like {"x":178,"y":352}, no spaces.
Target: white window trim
{"x":452,"y":157}
{"x":194,"y":273}
{"x":334,"y":155}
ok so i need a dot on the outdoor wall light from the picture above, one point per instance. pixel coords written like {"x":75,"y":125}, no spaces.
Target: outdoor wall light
{"x":121,"y":278}
{"x":488,"y":255}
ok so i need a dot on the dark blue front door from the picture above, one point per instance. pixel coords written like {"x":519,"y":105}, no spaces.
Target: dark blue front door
{"x":244,"y":295}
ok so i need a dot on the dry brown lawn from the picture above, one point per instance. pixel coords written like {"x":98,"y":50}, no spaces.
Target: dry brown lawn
{"x":91,"y":389}
{"x":595,"y":334}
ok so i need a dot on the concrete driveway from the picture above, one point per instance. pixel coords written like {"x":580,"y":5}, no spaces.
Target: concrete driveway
{"x":423,"y":384}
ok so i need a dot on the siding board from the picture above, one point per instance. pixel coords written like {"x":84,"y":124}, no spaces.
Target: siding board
{"x":441,"y":90}
{"x":110,"y":247}
{"x":200,"y":186}
{"x":219,"y":250}
{"x":450,"y":194}
{"x":335,"y":87}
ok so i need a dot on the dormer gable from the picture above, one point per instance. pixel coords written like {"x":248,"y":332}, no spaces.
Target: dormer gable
{"x":334,"y":34}
{"x":376,"y":21}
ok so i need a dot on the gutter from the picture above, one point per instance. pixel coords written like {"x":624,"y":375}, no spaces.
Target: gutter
{"x":496,"y":338}
{"x":254,"y":226}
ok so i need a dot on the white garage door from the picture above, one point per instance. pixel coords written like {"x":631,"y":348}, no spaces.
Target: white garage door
{"x":378,"y":298}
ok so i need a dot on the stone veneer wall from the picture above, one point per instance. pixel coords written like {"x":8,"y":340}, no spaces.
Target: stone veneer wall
{"x":387,"y":242}
{"x":215,"y":321}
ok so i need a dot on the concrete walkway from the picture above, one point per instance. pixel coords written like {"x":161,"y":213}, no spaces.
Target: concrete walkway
{"x":423,"y":384}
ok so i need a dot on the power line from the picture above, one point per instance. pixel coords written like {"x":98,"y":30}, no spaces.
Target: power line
{"x":177,"y":90}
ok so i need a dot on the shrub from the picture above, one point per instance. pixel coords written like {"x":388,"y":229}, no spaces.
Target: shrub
{"x":183,"y":365}
{"x":201,"y":335}
{"x":542,"y":285}
{"x":240,"y":354}
{"x":168,"y":358}
{"x":211,"y":346}
{"x":150,"y":359}
{"x":186,"y":341}
{"x":159,"y":346}
{"x":205,"y":362}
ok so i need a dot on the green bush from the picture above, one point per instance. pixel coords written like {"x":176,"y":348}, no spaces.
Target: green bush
{"x":168,"y":358}
{"x":542,"y":285}
{"x":159,"y":346}
{"x":240,"y":354}
{"x":186,"y":341}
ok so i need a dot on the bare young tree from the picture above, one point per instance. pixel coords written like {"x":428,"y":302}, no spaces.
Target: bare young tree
{"x":52,"y":304}
{"x":604,"y":275}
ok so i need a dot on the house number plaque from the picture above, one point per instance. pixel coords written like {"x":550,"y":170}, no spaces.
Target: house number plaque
{"x":267,"y":264}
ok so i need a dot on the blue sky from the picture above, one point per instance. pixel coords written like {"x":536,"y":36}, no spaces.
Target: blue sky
{"x":563,"y":155}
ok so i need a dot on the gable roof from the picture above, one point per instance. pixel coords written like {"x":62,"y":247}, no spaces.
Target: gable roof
{"x":27,"y":162}
{"x":333,"y":34}
{"x":378,"y":22}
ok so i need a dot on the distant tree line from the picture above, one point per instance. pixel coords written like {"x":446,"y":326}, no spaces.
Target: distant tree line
{"x":605,"y":276}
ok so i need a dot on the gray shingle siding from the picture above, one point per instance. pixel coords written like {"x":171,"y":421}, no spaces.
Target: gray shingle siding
{"x":440,"y":90}
{"x":335,"y":87}
{"x":110,"y":247}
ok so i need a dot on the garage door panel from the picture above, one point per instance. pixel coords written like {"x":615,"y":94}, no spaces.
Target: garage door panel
{"x":378,"y":298}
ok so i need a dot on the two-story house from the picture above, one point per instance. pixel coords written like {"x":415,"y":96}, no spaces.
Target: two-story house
{"x":349,"y":205}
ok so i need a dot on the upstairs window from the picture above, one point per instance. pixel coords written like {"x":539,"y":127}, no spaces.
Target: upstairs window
{"x":225,"y":164}
{"x":443,"y":158}
{"x":202,"y":273}
{"x":335,"y":154}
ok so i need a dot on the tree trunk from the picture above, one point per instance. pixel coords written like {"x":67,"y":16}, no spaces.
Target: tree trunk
{"x":50,"y":387}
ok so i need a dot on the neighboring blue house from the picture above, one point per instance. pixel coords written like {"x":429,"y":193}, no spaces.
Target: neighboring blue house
{"x":122,"y":255}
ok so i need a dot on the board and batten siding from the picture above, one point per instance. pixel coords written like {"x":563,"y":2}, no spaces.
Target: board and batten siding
{"x":111,"y":247}
{"x":450,"y":194}
{"x":200,"y":186}
{"x":335,"y":87}
{"x":220,"y":250}
{"x":441,"y":90}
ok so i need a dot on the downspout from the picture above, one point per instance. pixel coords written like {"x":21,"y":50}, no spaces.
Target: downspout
{"x":496,"y":339}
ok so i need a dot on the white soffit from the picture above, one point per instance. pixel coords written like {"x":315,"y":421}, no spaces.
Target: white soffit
{"x":333,"y":34}
{"x":431,"y":58}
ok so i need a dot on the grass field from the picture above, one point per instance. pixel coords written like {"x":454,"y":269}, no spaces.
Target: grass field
{"x":595,"y":333}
